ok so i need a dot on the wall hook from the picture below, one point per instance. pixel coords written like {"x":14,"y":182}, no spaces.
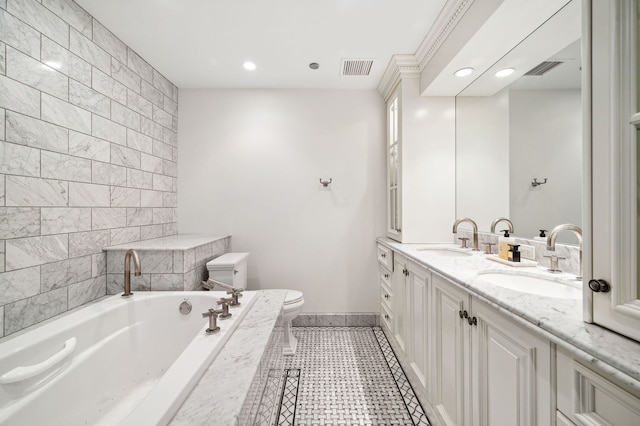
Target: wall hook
{"x":326,"y":183}
{"x":536,"y":183}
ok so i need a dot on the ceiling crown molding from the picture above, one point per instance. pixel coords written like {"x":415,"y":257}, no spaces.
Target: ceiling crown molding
{"x":410,"y":66}
{"x":446,"y":21}
{"x":400,"y":66}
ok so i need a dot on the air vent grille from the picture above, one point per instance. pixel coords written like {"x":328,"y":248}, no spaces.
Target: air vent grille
{"x":356,"y":66}
{"x":543,"y":68}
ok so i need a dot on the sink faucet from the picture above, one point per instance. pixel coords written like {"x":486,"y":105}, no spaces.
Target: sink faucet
{"x":501,"y":219}
{"x":127,"y":270}
{"x":551,"y":240}
{"x":475,"y":230}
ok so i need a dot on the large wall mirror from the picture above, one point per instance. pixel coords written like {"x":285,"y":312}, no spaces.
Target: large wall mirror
{"x":519,"y":136}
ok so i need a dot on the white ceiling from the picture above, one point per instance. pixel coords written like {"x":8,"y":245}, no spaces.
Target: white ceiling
{"x":203,"y":43}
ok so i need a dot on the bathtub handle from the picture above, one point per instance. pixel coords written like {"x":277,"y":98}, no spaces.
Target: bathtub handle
{"x":22,"y":373}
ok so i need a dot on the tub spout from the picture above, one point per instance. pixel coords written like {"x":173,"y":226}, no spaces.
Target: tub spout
{"x":127,"y":270}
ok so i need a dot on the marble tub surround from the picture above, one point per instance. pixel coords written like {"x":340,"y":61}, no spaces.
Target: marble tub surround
{"x":336,"y":320}
{"x":220,"y":395}
{"x":571,"y":253}
{"x":172,"y":263}
{"x":88,"y":156}
{"x":559,"y":320}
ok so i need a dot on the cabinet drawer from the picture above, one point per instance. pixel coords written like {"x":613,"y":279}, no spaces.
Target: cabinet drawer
{"x":386,"y":318}
{"x":385,"y":257}
{"x":587,"y":398}
{"x":385,"y":276}
{"x":386,"y":297}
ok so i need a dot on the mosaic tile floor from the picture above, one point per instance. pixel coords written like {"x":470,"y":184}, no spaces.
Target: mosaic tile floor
{"x":346,"y":376}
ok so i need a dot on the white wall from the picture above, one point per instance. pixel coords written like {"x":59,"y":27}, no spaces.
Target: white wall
{"x":482,"y":158}
{"x":546,"y":141}
{"x":249,"y":166}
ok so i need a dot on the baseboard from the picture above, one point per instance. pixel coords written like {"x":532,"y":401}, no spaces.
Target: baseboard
{"x":348,"y":319}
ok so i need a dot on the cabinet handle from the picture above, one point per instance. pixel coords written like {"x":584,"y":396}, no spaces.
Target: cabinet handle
{"x":383,"y":254}
{"x":386,"y":296}
{"x":386,"y":316}
{"x":599,"y":286}
{"x":472,"y":321}
{"x":463,"y":314}
{"x":386,"y":276}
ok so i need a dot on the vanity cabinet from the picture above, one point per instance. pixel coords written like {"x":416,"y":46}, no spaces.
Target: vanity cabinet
{"x":385,"y":266}
{"x":420,"y":162}
{"x":486,"y":370}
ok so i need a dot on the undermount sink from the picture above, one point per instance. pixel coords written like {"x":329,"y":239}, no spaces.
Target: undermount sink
{"x":444,"y":252}
{"x":536,"y":285}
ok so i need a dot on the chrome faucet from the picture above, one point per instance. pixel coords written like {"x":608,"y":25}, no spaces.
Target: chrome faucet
{"x":501,"y":219}
{"x":475,"y":230}
{"x":234,"y":292}
{"x":127,"y":270}
{"x":551,"y":240}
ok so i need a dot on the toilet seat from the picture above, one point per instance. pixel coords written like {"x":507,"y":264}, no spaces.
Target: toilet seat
{"x":292,"y":297}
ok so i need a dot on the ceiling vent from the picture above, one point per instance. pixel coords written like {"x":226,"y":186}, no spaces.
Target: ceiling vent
{"x":543,"y":68}
{"x":356,"y":66}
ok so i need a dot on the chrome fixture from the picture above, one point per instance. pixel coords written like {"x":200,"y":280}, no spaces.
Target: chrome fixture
{"x":234,"y":292}
{"x":326,"y":183}
{"x":551,"y":241}
{"x":225,"y":308}
{"x":464,"y":242}
{"x":213,"y":320}
{"x":501,"y":219}
{"x":475,"y":230}
{"x":535,"y":182}
{"x":127,"y":270}
{"x":185,"y":307}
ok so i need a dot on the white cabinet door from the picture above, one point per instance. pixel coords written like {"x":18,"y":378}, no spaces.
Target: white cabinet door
{"x":614,"y":163}
{"x":511,"y":370}
{"x":419,"y":282}
{"x":450,"y":343}
{"x":587,"y":398}
{"x":400,"y":300}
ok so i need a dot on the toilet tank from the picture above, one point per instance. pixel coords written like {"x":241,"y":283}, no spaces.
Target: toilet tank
{"x":230,"y":268}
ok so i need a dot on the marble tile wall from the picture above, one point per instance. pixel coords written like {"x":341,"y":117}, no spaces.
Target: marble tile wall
{"x":165,"y":270}
{"x":88,"y":155}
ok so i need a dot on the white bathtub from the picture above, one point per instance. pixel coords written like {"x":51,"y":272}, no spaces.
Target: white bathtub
{"x":122,"y":361}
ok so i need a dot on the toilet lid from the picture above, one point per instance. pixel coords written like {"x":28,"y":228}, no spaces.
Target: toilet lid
{"x":292,"y":296}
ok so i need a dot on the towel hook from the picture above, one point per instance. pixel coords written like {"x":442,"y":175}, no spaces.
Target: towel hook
{"x":326,"y":183}
{"x":537,"y":183}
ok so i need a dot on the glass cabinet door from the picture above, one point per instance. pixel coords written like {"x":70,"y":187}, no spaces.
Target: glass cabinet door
{"x":393,"y":172}
{"x":615,"y":192}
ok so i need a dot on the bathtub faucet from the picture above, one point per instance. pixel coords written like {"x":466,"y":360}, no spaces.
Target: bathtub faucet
{"x":234,"y":292}
{"x":127,"y":270}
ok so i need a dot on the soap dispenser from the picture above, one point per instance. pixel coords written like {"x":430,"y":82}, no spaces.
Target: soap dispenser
{"x":503,"y":244}
{"x":513,"y":253}
{"x":542,"y":236}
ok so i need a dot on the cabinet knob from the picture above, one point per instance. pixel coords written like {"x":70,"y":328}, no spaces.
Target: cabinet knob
{"x":386,"y":296}
{"x":463,"y":314}
{"x":386,"y":275}
{"x":599,"y":286}
{"x":472,"y":321}
{"x":386,"y":316}
{"x":383,"y":254}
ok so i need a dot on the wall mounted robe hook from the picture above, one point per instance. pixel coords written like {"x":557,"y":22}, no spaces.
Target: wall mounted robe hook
{"x":537,"y":183}
{"x":326,"y":183}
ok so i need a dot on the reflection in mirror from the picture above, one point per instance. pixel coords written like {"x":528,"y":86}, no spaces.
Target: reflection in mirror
{"x":514,"y":132}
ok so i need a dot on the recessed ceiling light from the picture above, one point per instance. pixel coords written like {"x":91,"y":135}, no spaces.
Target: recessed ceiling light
{"x":249,"y":66}
{"x":463,"y":72}
{"x":314,"y":65}
{"x":505,"y":72}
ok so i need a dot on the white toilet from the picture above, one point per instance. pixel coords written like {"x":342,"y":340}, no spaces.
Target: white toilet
{"x":231,"y":268}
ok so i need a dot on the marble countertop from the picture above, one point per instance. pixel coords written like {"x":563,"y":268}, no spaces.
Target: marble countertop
{"x":219,"y":396}
{"x":559,"y":320}
{"x":172,"y":242}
